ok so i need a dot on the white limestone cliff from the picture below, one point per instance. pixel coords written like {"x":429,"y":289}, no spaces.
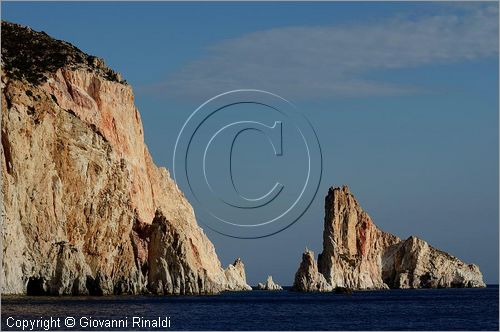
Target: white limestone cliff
{"x":84,"y":208}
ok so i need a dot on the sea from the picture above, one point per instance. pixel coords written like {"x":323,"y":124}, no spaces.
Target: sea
{"x":423,"y":309}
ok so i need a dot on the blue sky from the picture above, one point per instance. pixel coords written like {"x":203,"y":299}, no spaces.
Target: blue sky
{"x":403,"y":98}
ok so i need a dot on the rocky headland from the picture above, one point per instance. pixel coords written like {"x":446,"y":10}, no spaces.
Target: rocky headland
{"x":84,"y":208}
{"x":358,"y":255}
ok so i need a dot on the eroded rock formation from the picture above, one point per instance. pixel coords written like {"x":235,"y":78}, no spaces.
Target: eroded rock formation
{"x":308,"y":278}
{"x":270,"y":285}
{"x":236,"y":276}
{"x":413,"y":263}
{"x":352,"y":244}
{"x":358,"y":255}
{"x":84,"y":208}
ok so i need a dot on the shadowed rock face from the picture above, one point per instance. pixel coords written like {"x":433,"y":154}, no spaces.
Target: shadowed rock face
{"x":358,"y":255}
{"x":30,"y":55}
{"x":84,"y":208}
{"x":308,"y":278}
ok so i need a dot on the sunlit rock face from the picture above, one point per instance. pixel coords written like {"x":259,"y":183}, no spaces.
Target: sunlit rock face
{"x":413,"y":263}
{"x":269,"y":285}
{"x":358,"y":255}
{"x":236,"y":276}
{"x":352,"y":244}
{"x":84,"y":208}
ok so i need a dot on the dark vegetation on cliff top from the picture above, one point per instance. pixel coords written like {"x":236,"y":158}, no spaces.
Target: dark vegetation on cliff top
{"x":29,"y":55}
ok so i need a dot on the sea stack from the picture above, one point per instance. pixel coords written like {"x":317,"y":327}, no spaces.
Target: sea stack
{"x":85,"y":210}
{"x":269,"y":285}
{"x":308,"y":278}
{"x":236,"y":276}
{"x":358,"y":255}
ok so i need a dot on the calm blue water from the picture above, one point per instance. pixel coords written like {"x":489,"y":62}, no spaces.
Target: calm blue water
{"x":440,"y":309}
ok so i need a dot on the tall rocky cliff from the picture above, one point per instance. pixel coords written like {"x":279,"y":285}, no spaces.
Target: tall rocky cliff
{"x":84,"y":208}
{"x":358,"y":255}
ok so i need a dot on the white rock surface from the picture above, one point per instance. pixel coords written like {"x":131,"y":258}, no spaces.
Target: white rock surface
{"x":270,"y":285}
{"x":84,"y":208}
{"x":236,"y":277}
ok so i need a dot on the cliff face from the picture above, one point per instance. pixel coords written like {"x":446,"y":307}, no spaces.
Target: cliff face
{"x":358,"y":255}
{"x":352,"y":244}
{"x":84,"y":208}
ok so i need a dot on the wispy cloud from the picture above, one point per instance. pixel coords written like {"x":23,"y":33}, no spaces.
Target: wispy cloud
{"x":323,"y":61}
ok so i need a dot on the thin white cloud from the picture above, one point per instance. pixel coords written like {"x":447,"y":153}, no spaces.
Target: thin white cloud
{"x":323,"y":61}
